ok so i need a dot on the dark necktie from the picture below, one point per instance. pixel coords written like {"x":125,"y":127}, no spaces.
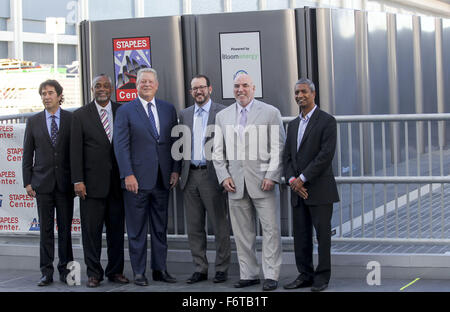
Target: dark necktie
{"x":53,"y":130}
{"x":151,"y":117}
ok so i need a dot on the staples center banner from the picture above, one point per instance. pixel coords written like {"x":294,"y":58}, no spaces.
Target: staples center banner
{"x":130,"y":55}
{"x":18,"y":211}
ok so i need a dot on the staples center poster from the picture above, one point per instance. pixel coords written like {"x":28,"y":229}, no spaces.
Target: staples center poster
{"x":130,"y":55}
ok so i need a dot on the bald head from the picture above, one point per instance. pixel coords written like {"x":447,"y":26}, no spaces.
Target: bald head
{"x":244,"y":89}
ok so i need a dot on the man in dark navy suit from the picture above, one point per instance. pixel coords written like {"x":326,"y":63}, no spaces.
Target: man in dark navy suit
{"x":96,"y":181}
{"x":46,"y":176}
{"x":142,"y":146}
{"x":307,"y":160}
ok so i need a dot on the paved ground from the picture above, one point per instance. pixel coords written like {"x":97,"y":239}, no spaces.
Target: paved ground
{"x":25,"y":281}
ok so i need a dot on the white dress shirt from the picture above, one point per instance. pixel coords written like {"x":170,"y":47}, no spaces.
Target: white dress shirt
{"x":108,"y":108}
{"x":154,"y":111}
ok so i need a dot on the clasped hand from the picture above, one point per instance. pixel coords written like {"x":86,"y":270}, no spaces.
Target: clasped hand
{"x":298,"y":187}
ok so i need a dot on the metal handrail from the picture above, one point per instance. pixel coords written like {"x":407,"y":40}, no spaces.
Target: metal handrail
{"x":387,"y":117}
{"x":392,"y":180}
{"x":24,"y":116}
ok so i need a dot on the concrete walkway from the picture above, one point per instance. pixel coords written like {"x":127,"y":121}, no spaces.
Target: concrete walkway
{"x":26,"y":280}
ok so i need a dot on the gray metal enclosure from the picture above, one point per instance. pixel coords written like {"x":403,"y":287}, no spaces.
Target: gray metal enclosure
{"x":279,"y":68}
{"x":166,"y":52}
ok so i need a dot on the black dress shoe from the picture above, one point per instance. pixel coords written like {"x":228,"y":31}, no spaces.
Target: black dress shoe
{"x":270,"y":284}
{"x":63,"y":278}
{"x":197,"y":277}
{"x":220,"y":277}
{"x":93,"y":282}
{"x":319,"y":287}
{"x":245,"y":283}
{"x":300,"y":282}
{"x":45,"y":280}
{"x":119,"y":279}
{"x":140,"y":280}
{"x":163,"y":276}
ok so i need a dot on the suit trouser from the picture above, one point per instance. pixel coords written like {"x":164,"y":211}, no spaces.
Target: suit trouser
{"x":201,"y":197}
{"x":147,"y":207}
{"x":46,"y":204}
{"x":95,"y":212}
{"x":305,"y":217}
{"x":242,"y":214}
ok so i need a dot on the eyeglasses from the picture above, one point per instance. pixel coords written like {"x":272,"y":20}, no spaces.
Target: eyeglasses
{"x":195,"y":89}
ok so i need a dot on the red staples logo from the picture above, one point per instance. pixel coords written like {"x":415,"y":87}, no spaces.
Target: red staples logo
{"x":21,"y":201}
{"x":14,"y":154}
{"x":7,"y":177}
{"x":9,"y":223}
{"x":6,"y":132}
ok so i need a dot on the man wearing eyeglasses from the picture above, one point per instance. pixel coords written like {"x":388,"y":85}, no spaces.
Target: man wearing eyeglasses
{"x":202,"y":192}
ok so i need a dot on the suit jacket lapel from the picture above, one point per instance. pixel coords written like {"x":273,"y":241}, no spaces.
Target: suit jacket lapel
{"x":62,"y":126}
{"x":293,"y":129}
{"x":212,"y":113}
{"x":44,"y":128}
{"x":212,"y":119}
{"x":254,"y":112}
{"x":95,"y":117}
{"x":231,"y":118}
{"x":311,"y":123}
{"x":189,"y":118}
{"x":143,"y":115}
{"x":114,"y":107}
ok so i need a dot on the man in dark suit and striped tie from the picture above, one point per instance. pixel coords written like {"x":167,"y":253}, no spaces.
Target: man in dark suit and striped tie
{"x":46,"y":176}
{"x":96,"y":181}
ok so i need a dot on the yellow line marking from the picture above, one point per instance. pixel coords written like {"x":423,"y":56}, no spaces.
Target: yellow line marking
{"x":410,"y":283}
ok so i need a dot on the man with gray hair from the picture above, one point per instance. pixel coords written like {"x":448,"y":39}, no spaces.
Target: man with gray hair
{"x":254,"y":129}
{"x":307,"y":159}
{"x":96,"y":182}
{"x":143,"y":146}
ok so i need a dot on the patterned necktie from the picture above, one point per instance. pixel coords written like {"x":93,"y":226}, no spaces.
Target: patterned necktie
{"x":242,"y":121}
{"x":105,"y":122}
{"x":198,"y":135}
{"x":151,"y":117}
{"x":53,"y":130}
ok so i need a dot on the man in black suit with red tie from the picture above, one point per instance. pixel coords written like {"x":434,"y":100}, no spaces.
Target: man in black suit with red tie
{"x":97,"y":183}
{"x":46,"y":176}
{"x":307,"y":159}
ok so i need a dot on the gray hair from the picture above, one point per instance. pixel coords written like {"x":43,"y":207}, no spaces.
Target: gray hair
{"x":310,"y":84}
{"x":145,"y":70}
{"x":96,"y":78}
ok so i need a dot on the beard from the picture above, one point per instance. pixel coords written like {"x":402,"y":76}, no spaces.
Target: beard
{"x":201,"y":99}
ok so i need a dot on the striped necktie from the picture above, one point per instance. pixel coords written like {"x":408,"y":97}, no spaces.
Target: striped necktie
{"x":105,"y":122}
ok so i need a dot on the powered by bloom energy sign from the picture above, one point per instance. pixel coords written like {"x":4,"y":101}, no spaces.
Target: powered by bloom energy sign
{"x":240,"y":53}
{"x":130,"y":55}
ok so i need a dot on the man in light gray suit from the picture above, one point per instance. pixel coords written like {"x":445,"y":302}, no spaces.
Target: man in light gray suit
{"x":254,"y":131}
{"x":201,"y":191}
